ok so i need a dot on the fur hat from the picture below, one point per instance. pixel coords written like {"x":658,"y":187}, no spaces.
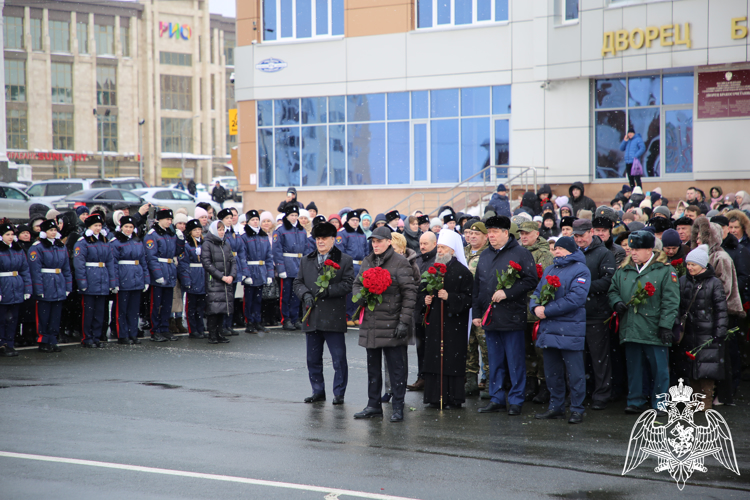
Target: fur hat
{"x":250,"y":214}
{"x":641,"y":239}
{"x":498,"y":222}
{"x":567,"y":221}
{"x":392,"y":215}
{"x":47,"y":225}
{"x":291,"y":209}
{"x":192,"y":224}
{"x":94,"y":219}
{"x":162,"y":214}
{"x":324,"y":230}
{"x":223,"y":213}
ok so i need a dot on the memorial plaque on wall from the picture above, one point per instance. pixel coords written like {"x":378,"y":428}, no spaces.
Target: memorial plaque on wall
{"x":724,"y":94}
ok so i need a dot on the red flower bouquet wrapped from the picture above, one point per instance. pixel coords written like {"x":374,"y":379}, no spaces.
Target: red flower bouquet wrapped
{"x":375,"y":281}
{"x":545,"y":297}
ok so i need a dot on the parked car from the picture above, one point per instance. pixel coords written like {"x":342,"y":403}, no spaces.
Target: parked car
{"x":53,"y":190}
{"x":106,"y":199}
{"x":129,"y":183}
{"x":230,"y":184}
{"x":170,"y":198}
{"x":17,"y":205}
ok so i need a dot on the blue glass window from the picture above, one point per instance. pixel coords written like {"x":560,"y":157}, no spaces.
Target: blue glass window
{"x":287,"y":18}
{"x":571,"y":10}
{"x":420,"y":152}
{"x":314,"y":110}
{"x":398,"y":153}
{"x":678,"y":130}
{"x":424,"y":13}
{"x":443,"y":103}
{"x":304,"y":18}
{"x":463,"y":12}
{"x":484,"y":10}
{"x":365,"y":107}
{"x":475,"y":101}
{"x":501,"y":10}
{"x":287,"y":156}
{"x":337,"y":154}
{"x":287,"y":111}
{"x":366,"y":150}
{"x":475,"y":145}
{"x":321,"y":17}
{"x":337,"y":17}
{"x":502,"y":146}
{"x":645,"y":121}
{"x":501,"y":100}
{"x":265,"y":113}
{"x":269,"y":20}
{"x":443,"y":12}
{"x":337,"y":109}
{"x":314,"y":156}
{"x":610,"y":129}
{"x":419,"y":104}
{"x":643,"y":91}
{"x":444,"y":155}
{"x":265,"y":158}
{"x":398,"y":106}
{"x":678,"y":89}
{"x":610,"y":93}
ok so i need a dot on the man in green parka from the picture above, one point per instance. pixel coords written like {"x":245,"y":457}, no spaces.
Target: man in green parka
{"x":647,"y":334}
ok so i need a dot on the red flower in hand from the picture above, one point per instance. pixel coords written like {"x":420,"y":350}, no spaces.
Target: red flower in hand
{"x":690,"y":354}
{"x":432,"y":270}
{"x":515,"y":265}
{"x":336,"y":266}
{"x":441,"y":267}
{"x":539,"y":271}
{"x":554,"y":281}
{"x":650,"y":289}
{"x":677,"y":262}
{"x":328,"y":262}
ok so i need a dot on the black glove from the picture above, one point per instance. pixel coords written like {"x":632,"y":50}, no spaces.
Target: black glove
{"x":308,"y":298}
{"x":621,"y":308}
{"x":665,"y":334}
{"x":402,"y":330}
{"x":324,"y":292}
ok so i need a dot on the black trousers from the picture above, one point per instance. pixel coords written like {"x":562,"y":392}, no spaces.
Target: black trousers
{"x":597,"y":348}
{"x":194,"y":308}
{"x":397,"y":370}
{"x":419,"y":334}
{"x":215,"y":324}
{"x":633,"y":180}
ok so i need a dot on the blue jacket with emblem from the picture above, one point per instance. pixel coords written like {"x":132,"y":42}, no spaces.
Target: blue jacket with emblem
{"x":288,"y":239}
{"x":52,"y":285}
{"x":129,"y":276}
{"x":190,"y":270}
{"x":238,"y":250}
{"x":13,"y":288}
{"x":565,"y":324}
{"x":353,"y":243}
{"x":163,"y":244}
{"x":94,"y":280}
{"x":257,"y":248}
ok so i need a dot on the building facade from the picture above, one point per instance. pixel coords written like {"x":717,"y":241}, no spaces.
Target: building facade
{"x":375,"y":100}
{"x":87,"y":80}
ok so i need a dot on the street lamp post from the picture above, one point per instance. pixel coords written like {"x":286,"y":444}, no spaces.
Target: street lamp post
{"x":101,"y":135}
{"x":140,"y":148}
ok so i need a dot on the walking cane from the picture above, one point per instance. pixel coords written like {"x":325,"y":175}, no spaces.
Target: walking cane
{"x":442,"y":302}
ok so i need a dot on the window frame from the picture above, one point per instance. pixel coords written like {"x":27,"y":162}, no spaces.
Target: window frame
{"x":171,"y":91}
{"x":57,"y":33}
{"x":79,"y":27}
{"x":176,"y":135}
{"x":452,"y":25}
{"x":106,"y":86}
{"x":102,"y":33}
{"x":17,"y":128}
{"x":107,"y":129}
{"x":36,"y":32}
{"x":564,"y":12}
{"x":313,"y":11}
{"x":56,"y":76}
{"x":13,"y":31}
{"x":125,"y":41}
{"x":59,"y":139}
{"x":13,"y":79}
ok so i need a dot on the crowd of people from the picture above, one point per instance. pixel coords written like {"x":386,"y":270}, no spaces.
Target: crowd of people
{"x":553,"y":302}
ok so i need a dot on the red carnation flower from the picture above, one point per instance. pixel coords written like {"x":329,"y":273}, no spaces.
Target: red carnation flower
{"x":539,"y":271}
{"x":554,"y":281}
{"x":650,"y":289}
{"x":515,"y":265}
{"x":677,"y":262}
{"x":690,"y":354}
{"x":432,"y":270}
{"x":328,"y":262}
{"x":336,"y":266}
{"x":441,"y":267}
{"x":746,"y":306}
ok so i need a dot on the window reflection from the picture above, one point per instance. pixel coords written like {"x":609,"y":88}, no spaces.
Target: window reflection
{"x":678,"y":132}
{"x":646,"y":123}
{"x":366,"y":146}
{"x":287,"y":156}
{"x":314,"y":156}
{"x":610,"y":129}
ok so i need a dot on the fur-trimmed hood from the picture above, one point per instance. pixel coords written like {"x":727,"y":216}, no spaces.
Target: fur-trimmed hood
{"x":709,"y":235}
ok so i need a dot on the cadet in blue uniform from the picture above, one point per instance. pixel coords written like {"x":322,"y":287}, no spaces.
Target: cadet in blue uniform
{"x":311,"y":246}
{"x":133,"y":279}
{"x":95,"y":274}
{"x":15,"y":287}
{"x":352,"y":241}
{"x":235,"y":242}
{"x":289,"y":243}
{"x":162,"y":248}
{"x":193,"y":279}
{"x":258,"y":270}
{"x":52,"y":281}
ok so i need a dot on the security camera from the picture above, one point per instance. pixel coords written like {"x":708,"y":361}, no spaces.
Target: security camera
{"x":231,"y":77}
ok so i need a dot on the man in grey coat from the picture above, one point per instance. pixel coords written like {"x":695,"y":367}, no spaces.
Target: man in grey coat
{"x":384,"y":331}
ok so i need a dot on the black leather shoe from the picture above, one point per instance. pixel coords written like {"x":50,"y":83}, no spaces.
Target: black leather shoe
{"x":136,"y":341}
{"x":542,"y":396}
{"x":250,"y":328}
{"x":157,"y":337}
{"x":369,"y":412}
{"x":222,"y":339}
{"x":172,"y":337}
{"x":197,"y":336}
{"x":288,"y":326}
{"x":550,"y":414}
{"x":260,"y":328}
{"x":298,"y":325}
{"x":123,"y":341}
{"x":45,"y":348}
{"x":9,"y":352}
{"x":514,"y":410}
{"x":315,"y":398}
{"x":100,"y":345}
{"x":338,"y":400}
{"x":635,"y":410}
{"x":575,"y":418}
{"x":213,"y":340}
{"x":55,"y":348}
{"x":492,"y":408}
{"x":599,"y":405}
{"x":87,"y":345}
{"x":397,"y":415}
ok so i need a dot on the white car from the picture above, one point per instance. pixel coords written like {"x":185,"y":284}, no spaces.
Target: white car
{"x":53,"y":190}
{"x":16,"y":205}
{"x":167,"y":197}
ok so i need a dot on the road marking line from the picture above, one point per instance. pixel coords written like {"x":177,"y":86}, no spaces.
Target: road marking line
{"x":331,"y":492}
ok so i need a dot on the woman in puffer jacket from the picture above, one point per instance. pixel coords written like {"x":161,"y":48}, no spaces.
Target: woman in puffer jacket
{"x":707,"y":320}
{"x":221,"y":271}
{"x":193,"y":279}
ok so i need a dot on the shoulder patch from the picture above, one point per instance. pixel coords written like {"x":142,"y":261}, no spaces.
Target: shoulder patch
{"x":674,"y":276}
{"x":78,"y":250}
{"x":581,"y":280}
{"x":339,"y":239}
{"x":152,"y":230}
{"x":275,"y":236}
{"x":33,"y":255}
{"x":150,"y":244}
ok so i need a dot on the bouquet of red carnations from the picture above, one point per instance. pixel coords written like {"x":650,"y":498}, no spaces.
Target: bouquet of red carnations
{"x":679,"y":267}
{"x":375,"y":281}
{"x":433,"y":279}
{"x":546,"y":296}
{"x":329,"y":271}
{"x":504,"y":281}
{"x":642,"y":293}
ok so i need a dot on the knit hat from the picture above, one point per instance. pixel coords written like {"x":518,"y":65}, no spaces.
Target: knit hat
{"x":671,"y":238}
{"x":312,"y":206}
{"x":637,"y":190}
{"x":501,"y":187}
{"x":663,"y":211}
{"x":381,"y":217}
{"x":52,"y":214}
{"x":626,"y":188}
{"x":435,"y":222}
{"x":561,"y":200}
{"x":199,"y":212}
{"x":548,"y":215}
{"x":304,"y":213}
{"x":698,"y":256}
{"x":369,"y":217}
{"x":82,"y":210}
{"x":266,"y":216}
{"x":655,"y":197}
{"x":568,"y":243}
{"x":180,"y":218}
{"x":641,"y":239}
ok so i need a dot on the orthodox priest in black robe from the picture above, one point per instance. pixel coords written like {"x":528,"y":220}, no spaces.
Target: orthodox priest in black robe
{"x":456,"y":300}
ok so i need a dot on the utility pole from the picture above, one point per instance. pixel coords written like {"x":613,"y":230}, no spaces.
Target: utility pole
{"x":140,"y":149}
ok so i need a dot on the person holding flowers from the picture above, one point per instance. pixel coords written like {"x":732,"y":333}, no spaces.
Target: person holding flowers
{"x":505,"y":273}
{"x":645,"y":296}
{"x":702,"y":299}
{"x":323,"y":282}
{"x":386,"y":293}
{"x":560,"y":304}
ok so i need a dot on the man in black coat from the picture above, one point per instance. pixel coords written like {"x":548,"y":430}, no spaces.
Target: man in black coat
{"x":601,"y":264}
{"x":428,"y":246}
{"x":219,"y":194}
{"x":506,"y":313}
{"x":578,"y":200}
{"x":327,"y":320}
{"x":192,"y":188}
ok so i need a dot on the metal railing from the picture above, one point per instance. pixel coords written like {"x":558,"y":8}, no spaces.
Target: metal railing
{"x":474,"y":190}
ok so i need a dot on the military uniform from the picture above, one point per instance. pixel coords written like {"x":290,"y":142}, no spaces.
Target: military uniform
{"x":353,"y":243}
{"x":477,"y":342}
{"x":289,"y":242}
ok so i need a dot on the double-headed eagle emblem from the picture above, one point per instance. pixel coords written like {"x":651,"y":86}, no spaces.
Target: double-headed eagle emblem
{"x":680,"y":446}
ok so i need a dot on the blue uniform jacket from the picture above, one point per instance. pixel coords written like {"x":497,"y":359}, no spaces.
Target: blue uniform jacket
{"x":238,"y":250}
{"x":354,"y":244}
{"x":13,"y":288}
{"x":192,"y":277}
{"x":94,"y":280}
{"x":310,"y":246}
{"x":633,"y":148}
{"x":288,"y":239}
{"x":129,"y":276}
{"x":163,"y":244}
{"x":500,"y":205}
{"x":565,"y":323}
{"x":257,"y":248}
{"x":47,"y":255}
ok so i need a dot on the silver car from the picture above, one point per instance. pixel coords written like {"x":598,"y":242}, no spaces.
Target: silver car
{"x":16,"y":205}
{"x":170,"y":198}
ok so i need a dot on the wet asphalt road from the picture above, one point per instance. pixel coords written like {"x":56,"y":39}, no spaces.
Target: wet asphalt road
{"x":236,"y":411}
